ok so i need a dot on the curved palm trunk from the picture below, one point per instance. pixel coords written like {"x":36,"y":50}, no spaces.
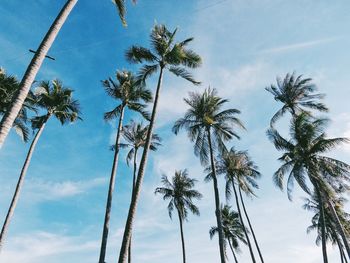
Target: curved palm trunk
{"x":182,"y":238}
{"x":233,"y":252}
{"x":20,"y":184}
{"x":244,"y":229}
{"x":217,"y":201}
{"x":250,"y":225}
{"x":110,"y":191}
{"x":33,"y":68}
{"x":142,"y":167}
{"x":341,"y":252}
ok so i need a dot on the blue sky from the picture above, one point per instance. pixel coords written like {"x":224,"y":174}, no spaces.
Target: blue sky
{"x":244,"y":45}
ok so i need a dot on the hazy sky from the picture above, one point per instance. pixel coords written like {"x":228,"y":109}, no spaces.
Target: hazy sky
{"x":244,"y":45}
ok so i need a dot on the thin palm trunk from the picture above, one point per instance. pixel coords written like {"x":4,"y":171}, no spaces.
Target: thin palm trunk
{"x":323,"y":229}
{"x":233,"y":252}
{"x":217,"y":201}
{"x":33,"y":68}
{"x":20,"y":183}
{"x":250,"y":225}
{"x":182,"y":238}
{"x":244,"y":229}
{"x":111,"y":190}
{"x":341,"y":253}
{"x":142,"y":167}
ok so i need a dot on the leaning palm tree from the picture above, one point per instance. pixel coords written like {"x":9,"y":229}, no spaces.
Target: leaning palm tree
{"x":57,"y":101}
{"x":180,"y":194}
{"x":165,"y":54}
{"x":132,"y":95}
{"x":208,"y":126}
{"x":35,"y":64}
{"x":240,"y":171}
{"x":297,"y":95}
{"x":304,"y":159}
{"x":135,"y":136}
{"x":232,"y":228}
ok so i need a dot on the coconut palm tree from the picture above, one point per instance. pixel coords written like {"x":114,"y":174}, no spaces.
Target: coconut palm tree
{"x":35,"y":64}
{"x":303,"y":158}
{"x":180,"y":194}
{"x":135,"y":136}
{"x":232,"y":228}
{"x":132,"y":95}
{"x":240,"y":171}
{"x":165,"y":54}
{"x":208,"y":126}
{"x":297,"y":95}
{"x":57,"y":101}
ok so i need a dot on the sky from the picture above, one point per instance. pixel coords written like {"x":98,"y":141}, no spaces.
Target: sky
{"x":245,"y":45}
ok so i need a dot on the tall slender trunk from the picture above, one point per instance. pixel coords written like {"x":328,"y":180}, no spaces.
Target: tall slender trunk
{"x":250,"y":225}
{"x":323,"y":229}
{"x":182,"y":238}
{"x":340,"y":247}
{"x":241,"y":219}
{"x":20,"y":183}
{"x":33,"y":68}
{"x":111,"y":190}
{"x":142,"y":167}
{"x":233,"y":252}
{"x":132,"y":193}
{"x":217,"y":201}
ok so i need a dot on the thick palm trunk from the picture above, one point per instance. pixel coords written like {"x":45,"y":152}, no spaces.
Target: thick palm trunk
{"x":217,"y":201}
{"x":244,"y":229}
{"x":20,"y":184}
{"x":142,"y":167}
{"x":233,"y":252}
{"x":182,"y":238}
{"x":111,"y":190}
{"x":250,"y":225}
{"x":33,"y":68}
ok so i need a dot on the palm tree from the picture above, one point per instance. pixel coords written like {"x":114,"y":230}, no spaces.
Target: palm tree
{"x":232,"y":228}
{"x":57,"y":101}
{"x":296,"y":94}
{"x":240,"y":170}
{"x":131,"y":95}
{"x":35,"y":64}
{"x":304,"y":158}
{"x":180,"y":193}
{"x":165,"y":54}
{"x":135,"y":135}
{"x":208,"y":126}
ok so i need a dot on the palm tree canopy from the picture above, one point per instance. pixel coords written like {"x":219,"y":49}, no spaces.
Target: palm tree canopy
{"x":205,"y":115}
{"x":180,"y":193}
{"x":297,"y":95}
{"x":57,"y":101}
{"x":130,"y":92}
{"x":165,"y":53}
{"x":303,"y":155}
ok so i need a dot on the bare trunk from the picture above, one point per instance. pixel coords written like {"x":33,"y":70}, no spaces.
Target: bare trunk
{"x":33,"y":68}
{"x":244,"y":229}
{"x":182,"y":238}
{"x":110,"y":191}
{"x":20,"y":184}
{"x":323,"y":227}
{"x":233,"y":252}
{"x":250,"y":225}
{"x":340,"y":247}
{"x":132,"y":210}
{"x":217,"y":201}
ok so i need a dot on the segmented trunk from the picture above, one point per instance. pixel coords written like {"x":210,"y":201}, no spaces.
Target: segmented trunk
{"x":33,"y":68}
{"x":142,"y":167}
{"x":111,"y":190}
{"x":182,"y":238}
{"x":20,"y":184}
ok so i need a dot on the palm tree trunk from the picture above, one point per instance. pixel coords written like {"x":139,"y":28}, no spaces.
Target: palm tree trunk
{"x":111,"y":190}
{"x":182,"y":238}
{"x":340,"y":248}
{"x":241,"y":219}
{"x":233,"y":252}
{"x":32,"y":70}
{"x":217,"y":201}
{"x":140,"y":175}
{"x":20,"y":183}
{"x":250,"y":225}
